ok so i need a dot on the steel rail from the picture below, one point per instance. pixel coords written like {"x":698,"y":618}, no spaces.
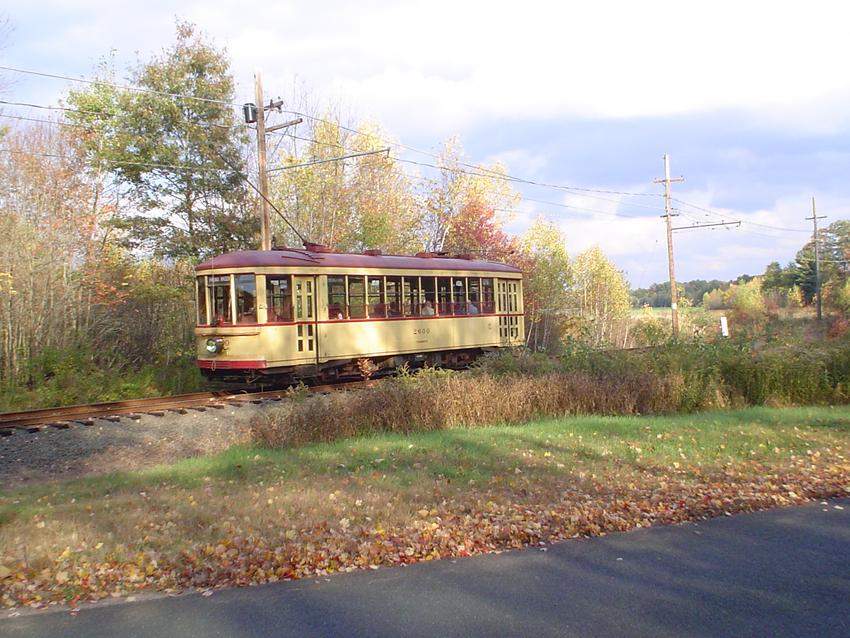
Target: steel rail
{"x":85,"y":414}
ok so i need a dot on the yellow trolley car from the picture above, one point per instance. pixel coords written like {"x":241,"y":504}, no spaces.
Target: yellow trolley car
{"x":316,"y":314}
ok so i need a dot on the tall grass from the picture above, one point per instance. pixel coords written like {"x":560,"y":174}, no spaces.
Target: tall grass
{"x":518,"y":387}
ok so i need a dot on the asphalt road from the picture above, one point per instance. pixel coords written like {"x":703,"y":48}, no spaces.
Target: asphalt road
{"x":779,"y":573}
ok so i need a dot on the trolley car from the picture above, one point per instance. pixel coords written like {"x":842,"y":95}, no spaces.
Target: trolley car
{"x":290,"y":314}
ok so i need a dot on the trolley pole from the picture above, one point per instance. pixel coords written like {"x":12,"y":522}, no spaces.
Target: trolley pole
{"x":668,"y":215}
{"x":265,"y":223}
{"x":816,"y":240}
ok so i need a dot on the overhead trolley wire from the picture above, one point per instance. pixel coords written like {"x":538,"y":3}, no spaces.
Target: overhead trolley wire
{"x":732,"y":218}
{"x":125,"y":87}
{"x":58,"y":108}
{"x":477,"y":169}
{"x":183,"y":167}
{"x":484,"y":172}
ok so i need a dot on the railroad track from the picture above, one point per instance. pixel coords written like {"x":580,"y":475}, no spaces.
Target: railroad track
{"x":133,"y":409}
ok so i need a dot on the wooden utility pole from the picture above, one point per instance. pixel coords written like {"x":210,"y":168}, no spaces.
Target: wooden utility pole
{"x":816,"y":239}
{"x":668,"y":215}
{"x":265,"y":222}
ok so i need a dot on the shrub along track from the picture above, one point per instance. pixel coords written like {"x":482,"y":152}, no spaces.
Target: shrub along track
{"x":85,"y":415}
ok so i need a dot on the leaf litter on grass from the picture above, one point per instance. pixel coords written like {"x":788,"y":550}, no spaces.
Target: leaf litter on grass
{"x":258,"y":523}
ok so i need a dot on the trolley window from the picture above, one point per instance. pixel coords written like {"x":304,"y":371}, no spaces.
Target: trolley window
{"x":429,"y":292}
{"x":377,"y":308}
{"x":459,"y":295}
{"x":444,"y":295}
{"x":393,"y":286}
{"x":218,"y":291}
{"x":488,"y":297}
{"x":411,"y":296}
{"x":202,"y":300}
{"x":336,"y":297}
{"x":356,"y":297}
{"x":473,"y":292}
{"x":246,"y":298}
{"x":279,"y":298}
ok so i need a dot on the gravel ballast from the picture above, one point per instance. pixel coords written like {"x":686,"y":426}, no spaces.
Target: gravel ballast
{"x":51,"y":453}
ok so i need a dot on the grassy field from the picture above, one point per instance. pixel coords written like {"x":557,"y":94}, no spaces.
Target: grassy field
{"x":257,"y":515}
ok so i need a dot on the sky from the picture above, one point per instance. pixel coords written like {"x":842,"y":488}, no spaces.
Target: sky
{"x":751,"y":100}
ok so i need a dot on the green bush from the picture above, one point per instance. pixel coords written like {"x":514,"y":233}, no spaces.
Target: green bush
{"x":67,"y":378}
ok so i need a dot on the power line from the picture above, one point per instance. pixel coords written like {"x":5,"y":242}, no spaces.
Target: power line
{"x":341,"y":146}
{"x":253,"y":186}
{"x":58,"y":108}
{"x":40,"y":121}
{"x":331,"y":159}
{"x":604,"y":199}
{"x":125,"y":87}
{"x":722,"y":216}
{"x":576,"y":208}
{"x":477,"y":167}
{"x":117,"y":162}
{"x":482,"y":170}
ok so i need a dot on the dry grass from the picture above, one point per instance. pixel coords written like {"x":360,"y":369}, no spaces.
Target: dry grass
{"x":516,"y":387}
{"x":439,"y":401}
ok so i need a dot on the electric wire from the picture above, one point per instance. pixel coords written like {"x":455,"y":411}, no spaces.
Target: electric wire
{"x":479,"y":170}
{"x":483,"y":171}
{"x":117,"y":162}
{"x":732,"y":218}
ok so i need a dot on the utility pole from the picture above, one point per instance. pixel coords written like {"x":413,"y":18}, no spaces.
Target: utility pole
{"x":265,"y":222}
{"x":668,"y":215}
{"x":816,"y":239}
{"x":256,"y":114}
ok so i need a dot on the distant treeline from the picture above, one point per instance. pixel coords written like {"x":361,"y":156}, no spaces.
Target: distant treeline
{"x":658,"y":295}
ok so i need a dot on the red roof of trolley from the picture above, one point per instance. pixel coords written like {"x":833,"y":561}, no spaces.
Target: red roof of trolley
{"x":290,"y":258}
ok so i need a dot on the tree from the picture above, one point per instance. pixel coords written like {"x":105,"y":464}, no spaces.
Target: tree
{"x":353,"y":204}
{"x":600,"y":295}
{"x":477,"y":230}
{"x":547,"y":276}
{"x":460,"y":188}
{"x":51,"y":215}
{"x":179,"y":157}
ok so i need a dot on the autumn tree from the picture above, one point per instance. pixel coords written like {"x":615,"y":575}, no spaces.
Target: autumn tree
{"x":599,"y":295}
{"x":478,"y":230}
{"x":547,"y":277}
{"x":179,"y":158}
{"x":348,"y":204}
{"x":458,"y":189}
{"x":51,"y":214}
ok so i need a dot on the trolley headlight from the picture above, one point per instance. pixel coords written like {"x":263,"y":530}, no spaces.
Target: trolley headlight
{"x":215,"y":345}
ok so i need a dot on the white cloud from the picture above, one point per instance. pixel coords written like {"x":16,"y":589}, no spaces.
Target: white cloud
{"x":426,"y":70}
{"x":439,"y":66}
